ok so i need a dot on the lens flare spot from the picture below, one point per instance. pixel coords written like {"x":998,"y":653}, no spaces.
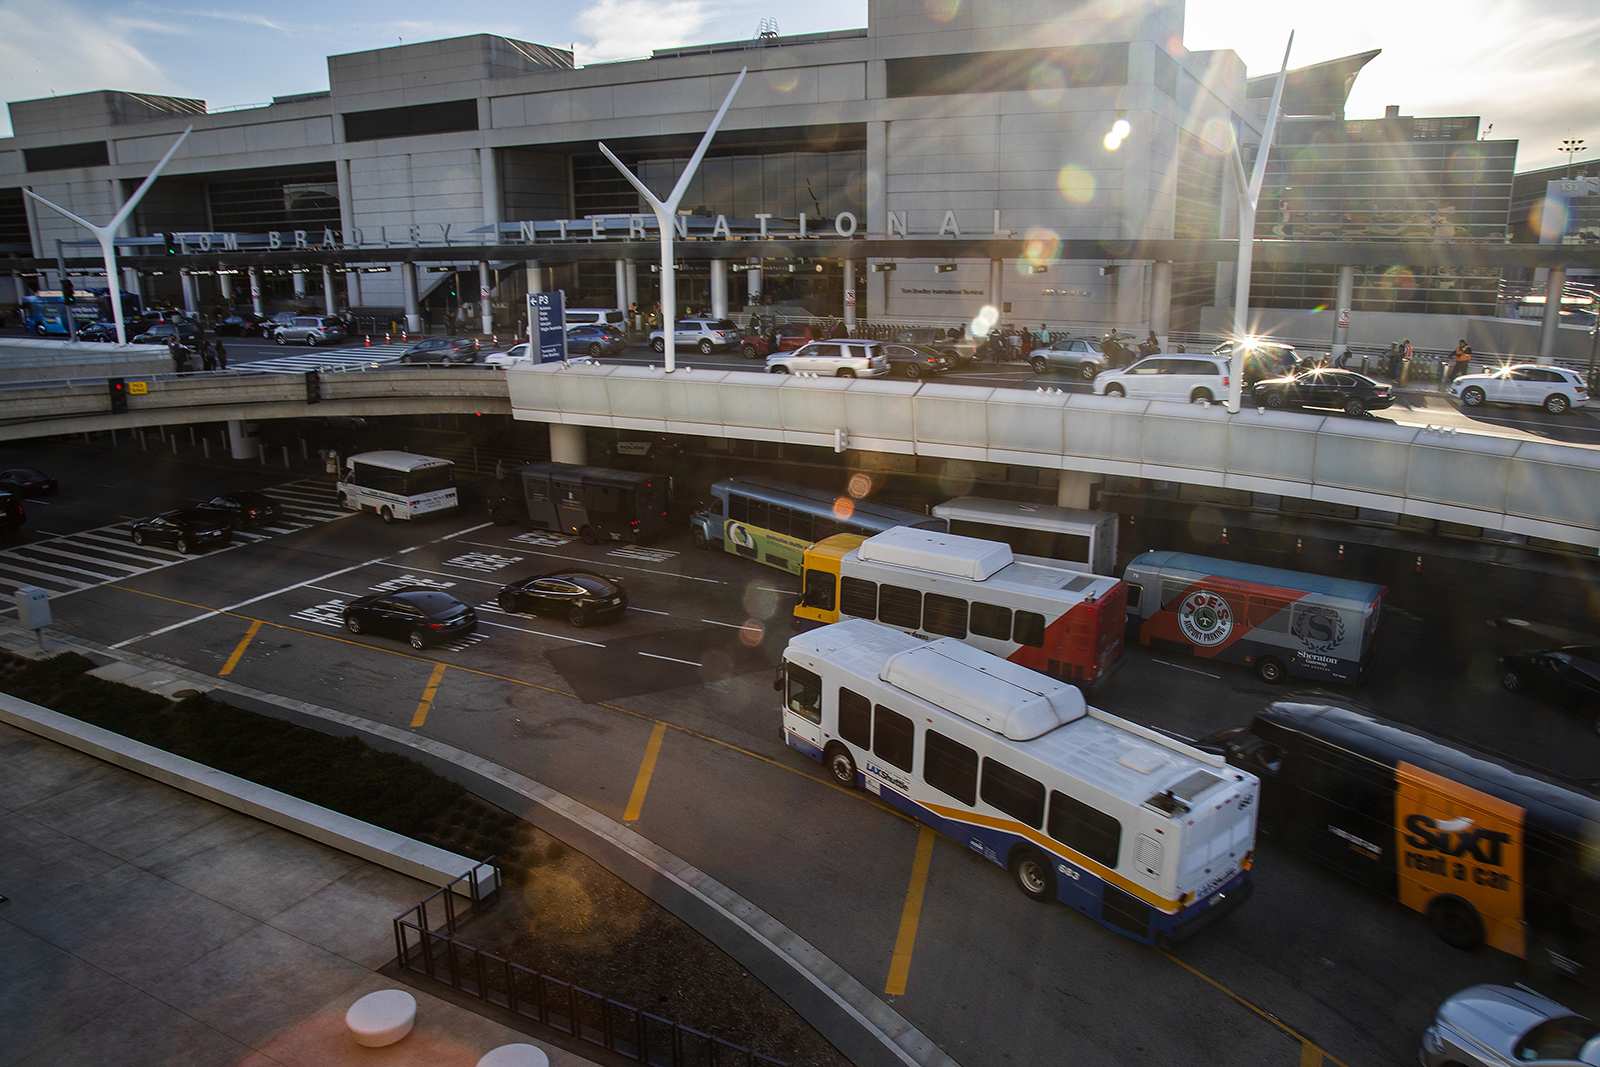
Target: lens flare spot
{"x":1040,"y":245}
{"x":1121,"y":128}
{"x":941,"y":10}
{"x":1118,"y":133}
{"x":759,"y":603}
{"x":843,"y":508}
{"x":783,"y":81}
{"x":1046,"y":83}
{"x":1076,"y":184}
{"x":751,"y":633}
{"x":1215,"y":136}
{"x":859,"y":486}
{"x":1548,"y":215}
{"x":985,"y":320}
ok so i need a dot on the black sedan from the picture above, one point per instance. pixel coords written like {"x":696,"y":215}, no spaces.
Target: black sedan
{"x":161,"y":332}
{"x":442,"y":350}
{"x":185,"y":529}
{"x":577,"y":596}
{"x":422,"y":616}
{"x":240,"y":324}
{"x":244,"y":509}
{"x":1567,"y":675}
{"x":1324,"y":387}
{"x":916,"y":361}
{"x":103,"y":332}
{"x":25,"y":481}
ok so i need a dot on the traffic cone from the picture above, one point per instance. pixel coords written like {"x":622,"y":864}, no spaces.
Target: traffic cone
{"x":385,"y":338}
{"x":369,"y":340}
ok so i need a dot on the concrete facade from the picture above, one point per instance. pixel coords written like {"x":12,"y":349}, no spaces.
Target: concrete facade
{"x":474,"y":130}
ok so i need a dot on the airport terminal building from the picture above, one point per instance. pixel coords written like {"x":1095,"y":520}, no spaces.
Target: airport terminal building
{"x":918,"y":126}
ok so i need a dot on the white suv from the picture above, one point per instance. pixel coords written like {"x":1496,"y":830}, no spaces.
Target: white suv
{"x":708,"y":335}
{"x":1168,"y":377}
{"x":1555,"y":389}
{"x":843,"y":358}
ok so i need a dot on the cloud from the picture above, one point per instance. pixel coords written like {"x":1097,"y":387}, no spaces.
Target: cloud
{"x":630,"y":29}
{"x":241,"y":17}
{"x":36,"y":64}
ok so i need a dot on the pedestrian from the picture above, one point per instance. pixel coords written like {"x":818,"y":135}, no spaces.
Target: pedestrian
{"x":1391,"y":360}
{"x":222,"y":355}
{"x":1151,"y":345}
{"x":1406,"y":352}
{"x":208,"y":360}
{"x":1462,"y":361}
{"x":180,"y":355}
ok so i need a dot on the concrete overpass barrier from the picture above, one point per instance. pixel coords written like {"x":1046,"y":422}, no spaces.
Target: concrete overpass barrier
{"x":1517,"y":486}
{"x":28,"y":360}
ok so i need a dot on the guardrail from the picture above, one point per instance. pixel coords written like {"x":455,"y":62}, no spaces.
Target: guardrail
{"x":429,"y":948}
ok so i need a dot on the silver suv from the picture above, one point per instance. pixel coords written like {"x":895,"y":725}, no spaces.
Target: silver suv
{"x":708,"y":335}
{"x":842,"y":358}
{"x":312,"y":329}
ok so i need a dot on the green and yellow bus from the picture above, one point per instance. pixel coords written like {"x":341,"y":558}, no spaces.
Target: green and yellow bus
{"x":774,"y":523}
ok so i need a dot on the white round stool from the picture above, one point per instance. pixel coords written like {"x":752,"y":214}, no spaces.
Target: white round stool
{"x":382,"y":1018}
{"x":517,"y":1055}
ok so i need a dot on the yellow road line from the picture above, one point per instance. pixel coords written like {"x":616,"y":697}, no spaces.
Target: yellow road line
{"x":910,"y":915}
{"x":1310,"y":1055}
{"x":647,"y":769}
{"x":238,"y":650}
{"x":420,"y":716}
{"x":1307,"y":1046}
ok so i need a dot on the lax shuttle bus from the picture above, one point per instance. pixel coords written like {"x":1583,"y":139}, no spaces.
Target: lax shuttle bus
{"x":1144,"y":834}
{"x":1035,"y":612}
{"x":1082,"y":540}
{"x":397,"y":485}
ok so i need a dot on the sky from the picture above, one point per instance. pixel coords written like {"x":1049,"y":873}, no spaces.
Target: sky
{"x":1530,"y":67}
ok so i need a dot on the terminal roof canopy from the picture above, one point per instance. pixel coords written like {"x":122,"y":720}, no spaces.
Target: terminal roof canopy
{"x":1317,"y":89}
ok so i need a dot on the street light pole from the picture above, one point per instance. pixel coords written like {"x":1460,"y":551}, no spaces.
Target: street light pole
{"x":666,"y":213}
{"x":107,"y":234}
{"x":1571,"y":146}
{"x":1249,"y":191}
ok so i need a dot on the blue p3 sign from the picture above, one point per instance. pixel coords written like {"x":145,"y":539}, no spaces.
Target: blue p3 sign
{"x":547,"y":326}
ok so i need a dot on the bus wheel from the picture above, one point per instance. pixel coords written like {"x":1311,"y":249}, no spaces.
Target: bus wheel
{"x":841,"y":765}
{"x":1033,"y":874}
{"x":701,"y":541}
{"x":1456,"y":922}
{"x":1269,"y":670}
{"x":587,"y":535}
{"x":386,"y":515}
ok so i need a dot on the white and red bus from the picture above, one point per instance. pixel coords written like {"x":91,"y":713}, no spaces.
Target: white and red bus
{"x":1038,"y":613}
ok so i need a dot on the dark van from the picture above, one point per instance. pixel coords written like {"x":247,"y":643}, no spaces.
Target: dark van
{"x":595,"y":503}
{"x":1491,"y":852}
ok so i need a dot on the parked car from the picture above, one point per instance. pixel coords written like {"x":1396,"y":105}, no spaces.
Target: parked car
{"x":596,"y":317}
{"x":1079,"y":356}
{"x":917,"y":361}
{"x":1264,"y":359}
{"x":1555,"y":389}
{"x":244,"y":508}
{"x":422,"y":616}
{"x":1168,"y":377}
{"x":794,"y":335}
{"x":103,"y":332}
{"x":1567,"y":675}
{"x":442,"y":350}
{"x":509,"y":357}
{"x":596,"y":340}
{"x":580,"y":597}
{"x":312,"y":330}
{"x":160,"y":333}
{"x":12,"y":515}
{"x":753,"y":345}
{"x":1352,"y":393}
{"x":708,"y":335}
{"x":1497,"y":1026}
{"x":185,"y":529}
{"x":241,"y":324}
{"x":278,"y":319}
{"x":844,"y":358}
{"x":25,"y":481}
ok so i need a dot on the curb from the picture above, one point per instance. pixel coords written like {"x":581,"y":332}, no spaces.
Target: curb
{"x":860,"y":1025}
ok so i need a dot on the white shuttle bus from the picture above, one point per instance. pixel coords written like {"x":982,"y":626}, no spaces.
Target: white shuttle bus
{"x":397,"y":485}
{"x":1082,"y":540}
{"x":1146,"y":835}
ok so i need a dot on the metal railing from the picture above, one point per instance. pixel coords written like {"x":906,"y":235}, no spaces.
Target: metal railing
{"x":428,"y":946}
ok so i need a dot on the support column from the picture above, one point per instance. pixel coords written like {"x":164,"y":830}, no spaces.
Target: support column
{"x":1161,"y":301}
{"x":848,"y":269}
{"x":408,"y":283}
{"x":535,"y":276}
{"x":330,"y":303}
{"x":567,"y":444}
{"x":877,"y":204}
{"x":485,"y":295}
{"x":719,"y":288}
{"x":21,"y":287}
{"x":225,"y":287}
{"x":1344,"y":296}
{"x":1130,"y":295}
{"x":1554,"y":283}
{"x":352,"y":288}
{"x":190,"y":302}
{"x":298,"y":278}
{"x":630,"y":287}
{"x":997,"y":274}
{"x":256,"y":304}
{"x":752,"y":285}
{"x":242,"y":442}
{"x":1076,"y":490}
{"x":347,"y":225}
{"x":620,"y":276}
{"x":131,"y":281}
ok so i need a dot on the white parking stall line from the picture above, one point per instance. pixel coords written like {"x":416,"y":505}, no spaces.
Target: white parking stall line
{"x":23,"y":577}
{"x":284,"y":529}
{"x":780,"y":592}
{"x":249,"y":537}
{"x":540,"y":633}
{"x":648,"y":611}
{"x":469,"y":529}
{"x":671,"y":659}
{"x":52,"y":565}
{"x":108,"y":554}
{"x":336,"y":592}
{"x":591,"y":562}
{"x":729,"y":625}
{"x":1181,"y":667}
{"x":442,"y":574}
{"x":301,"y":497}
{"x":126,"y":547}
{"x":28,"y":551}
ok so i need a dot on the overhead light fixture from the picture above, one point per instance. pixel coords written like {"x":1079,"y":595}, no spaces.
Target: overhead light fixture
{"x":883,"y":268}
{"x":1038,"y":268}
{"x":945,"y":268}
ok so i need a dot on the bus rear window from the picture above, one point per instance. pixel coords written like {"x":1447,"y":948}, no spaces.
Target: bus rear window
{"x":818,"y":590}
{"x":430,"y":479}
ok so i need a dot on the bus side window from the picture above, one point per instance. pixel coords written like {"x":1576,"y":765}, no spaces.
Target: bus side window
{"x":800,"y":526}
{"x":818,"y":590}
{"x":1135,"y":591}
{"x":894,"y":737}
{"x":738,"y":507}
{"x":945,"y":615}
{"x":805,"y":693}
{"x":1089,"y":831}
{"x":950,"y":767}
{"x":1013,"y":792}
{"x":777,"y":519}
{"x":991,"y":620}
{"x":758,"y":513}
{"x":1028,"y":629}
{"x":855,"y":719}
{"x":899,"y":606}
{"x":858,"y":597}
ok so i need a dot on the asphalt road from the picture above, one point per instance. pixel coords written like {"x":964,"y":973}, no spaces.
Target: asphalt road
{"x":1310,"y":967}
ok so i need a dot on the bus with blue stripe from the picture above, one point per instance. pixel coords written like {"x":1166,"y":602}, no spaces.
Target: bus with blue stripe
{"x":1146,"y":835}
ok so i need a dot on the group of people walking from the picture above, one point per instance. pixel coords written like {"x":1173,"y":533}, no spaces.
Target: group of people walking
{"x":213,"y":354}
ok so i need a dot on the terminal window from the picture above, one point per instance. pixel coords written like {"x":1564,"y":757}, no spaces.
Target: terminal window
{"x":67,"y":156}
{"x":450,"y":116}
{"x":1012,"y":71}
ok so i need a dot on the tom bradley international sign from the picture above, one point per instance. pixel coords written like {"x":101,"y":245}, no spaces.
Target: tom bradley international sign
{"x":760,"y":226}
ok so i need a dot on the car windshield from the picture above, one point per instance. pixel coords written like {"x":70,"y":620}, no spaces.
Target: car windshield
{"x":1557,"y":1039}
{"x":431,"y":603}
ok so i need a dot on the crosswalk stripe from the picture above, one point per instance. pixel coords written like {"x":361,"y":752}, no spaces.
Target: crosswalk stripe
{"x":30,"y":578}
{"x":126,"y":546}
{"x":51,"y":565}
{"x":303,"y":498}
{"x":56,"y":550}
{"x":124,"y":549}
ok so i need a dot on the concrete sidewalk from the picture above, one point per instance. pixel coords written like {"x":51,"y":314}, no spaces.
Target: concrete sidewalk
{"x":146,"y":926}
